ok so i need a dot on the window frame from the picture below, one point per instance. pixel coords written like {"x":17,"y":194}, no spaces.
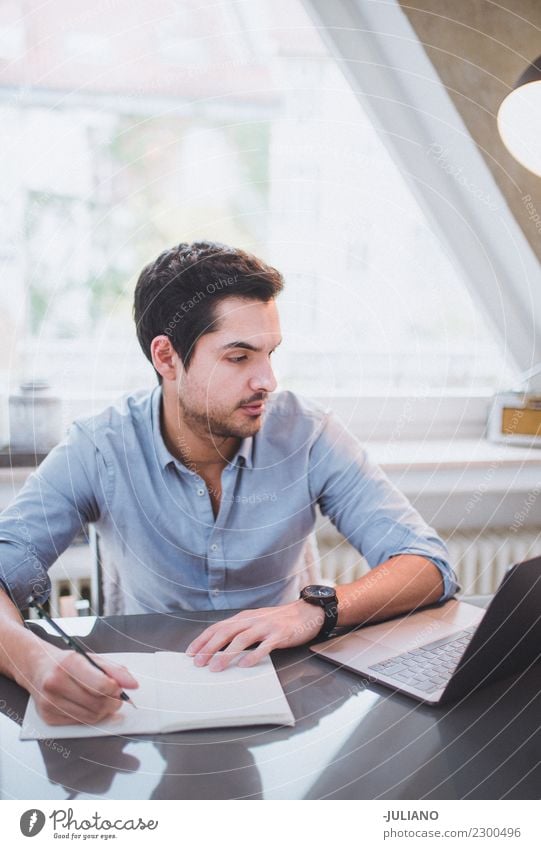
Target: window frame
{"x":385,"y":63}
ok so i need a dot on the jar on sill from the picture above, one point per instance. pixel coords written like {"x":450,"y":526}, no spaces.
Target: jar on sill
{"x":35,"y":418}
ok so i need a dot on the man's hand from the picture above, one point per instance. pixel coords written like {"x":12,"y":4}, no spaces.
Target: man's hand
{"x":67,"y":689}
{"x":271,"y":627}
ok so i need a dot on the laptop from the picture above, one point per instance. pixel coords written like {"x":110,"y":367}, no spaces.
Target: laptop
{"x":442,"y":653}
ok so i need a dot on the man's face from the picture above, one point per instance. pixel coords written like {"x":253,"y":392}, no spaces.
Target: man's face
{"x":230,"y":375}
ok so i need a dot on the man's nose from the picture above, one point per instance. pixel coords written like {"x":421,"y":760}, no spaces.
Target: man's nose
{"x":264,"y":379}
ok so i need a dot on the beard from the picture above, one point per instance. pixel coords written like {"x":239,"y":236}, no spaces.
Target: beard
{"x":219,"y":422}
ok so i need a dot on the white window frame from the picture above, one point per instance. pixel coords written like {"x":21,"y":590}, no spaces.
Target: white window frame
{"x":381,"y":56}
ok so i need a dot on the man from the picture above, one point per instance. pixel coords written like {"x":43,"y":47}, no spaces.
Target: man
{"x":204,"y":492}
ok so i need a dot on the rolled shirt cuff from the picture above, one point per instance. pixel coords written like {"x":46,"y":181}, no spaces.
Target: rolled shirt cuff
{"x":26,"y":578}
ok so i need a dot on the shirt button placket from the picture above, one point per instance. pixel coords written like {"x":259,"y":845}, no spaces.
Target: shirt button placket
{"x":215,"y":571}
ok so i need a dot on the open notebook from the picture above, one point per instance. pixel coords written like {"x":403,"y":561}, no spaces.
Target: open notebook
{"x":176,"y":695}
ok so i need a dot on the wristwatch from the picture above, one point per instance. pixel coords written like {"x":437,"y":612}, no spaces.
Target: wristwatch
{"x":326,"y":598}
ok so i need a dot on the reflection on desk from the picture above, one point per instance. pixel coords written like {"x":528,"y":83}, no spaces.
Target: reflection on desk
{"x":352,"y":740}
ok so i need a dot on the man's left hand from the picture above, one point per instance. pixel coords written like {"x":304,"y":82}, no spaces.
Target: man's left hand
{"x":272,"y":627}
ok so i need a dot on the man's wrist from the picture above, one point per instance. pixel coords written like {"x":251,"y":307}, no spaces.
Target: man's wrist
{"x":313,"y":618}
{"x":25,"y":660}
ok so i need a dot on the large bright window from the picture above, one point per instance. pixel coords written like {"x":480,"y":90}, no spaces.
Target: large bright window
{"x":131,"y":129}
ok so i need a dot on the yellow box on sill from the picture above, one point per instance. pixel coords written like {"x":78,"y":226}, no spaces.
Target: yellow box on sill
{"x":515,"y":418}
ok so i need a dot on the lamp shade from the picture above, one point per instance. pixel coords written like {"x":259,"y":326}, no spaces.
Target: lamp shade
{"x":519,"y":119}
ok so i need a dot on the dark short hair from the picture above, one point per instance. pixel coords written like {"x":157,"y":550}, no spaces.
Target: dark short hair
{"x":177,"y":294}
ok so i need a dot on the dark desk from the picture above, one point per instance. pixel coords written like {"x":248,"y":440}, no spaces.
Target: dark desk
{"x":350,"y":741}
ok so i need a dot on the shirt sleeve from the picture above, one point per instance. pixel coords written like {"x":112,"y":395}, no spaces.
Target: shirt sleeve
{"x":54,"y":504}
{"x":363,"y":504}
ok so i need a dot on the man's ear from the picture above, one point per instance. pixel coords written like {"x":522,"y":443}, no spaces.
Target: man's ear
{"x":165,"y":359}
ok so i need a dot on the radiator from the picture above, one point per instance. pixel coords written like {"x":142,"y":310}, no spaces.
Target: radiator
{"x":479,"y":558}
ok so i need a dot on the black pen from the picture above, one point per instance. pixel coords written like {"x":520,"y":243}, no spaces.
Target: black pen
{"x":71,"y":642}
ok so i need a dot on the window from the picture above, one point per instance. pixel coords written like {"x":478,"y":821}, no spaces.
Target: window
{"x":153,"y":124}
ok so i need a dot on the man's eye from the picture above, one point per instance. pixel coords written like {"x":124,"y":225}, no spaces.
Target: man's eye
{"x":237,"y":359}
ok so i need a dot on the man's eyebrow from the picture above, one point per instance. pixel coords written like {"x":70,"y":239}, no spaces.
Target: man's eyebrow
{"x":246,"y":345}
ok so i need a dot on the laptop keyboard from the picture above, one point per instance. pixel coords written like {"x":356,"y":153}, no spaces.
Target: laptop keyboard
{"x":428,"y":668}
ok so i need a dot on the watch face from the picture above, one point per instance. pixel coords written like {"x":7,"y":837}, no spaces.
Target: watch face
{"x":318,"y":591}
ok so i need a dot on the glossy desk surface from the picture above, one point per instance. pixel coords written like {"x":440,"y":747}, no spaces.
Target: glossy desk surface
{"x":352,"y":740}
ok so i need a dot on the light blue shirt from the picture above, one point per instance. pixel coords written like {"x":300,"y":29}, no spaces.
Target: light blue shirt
{"x":155,"y":519}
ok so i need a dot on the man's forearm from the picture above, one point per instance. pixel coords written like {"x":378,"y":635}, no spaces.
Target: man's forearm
{"x":397,"y":586}
{"x":18,"y":645}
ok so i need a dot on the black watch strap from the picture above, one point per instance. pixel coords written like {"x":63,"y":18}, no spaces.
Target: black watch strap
{"x":330,"y":609}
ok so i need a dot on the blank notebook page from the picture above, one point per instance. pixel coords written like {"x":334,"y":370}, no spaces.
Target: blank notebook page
{"x":192,"y":696}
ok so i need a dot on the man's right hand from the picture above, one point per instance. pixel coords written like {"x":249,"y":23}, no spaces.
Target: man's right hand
{"x":67,"y":689}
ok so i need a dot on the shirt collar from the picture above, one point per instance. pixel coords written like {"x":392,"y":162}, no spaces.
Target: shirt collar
{"x":244,"y":453}
{"x":164,"y":456}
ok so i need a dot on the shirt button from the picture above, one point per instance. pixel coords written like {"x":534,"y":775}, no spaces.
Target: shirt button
{"x":214,"y":547}
{"x":215,"y":592}
{"x":200,"y":491}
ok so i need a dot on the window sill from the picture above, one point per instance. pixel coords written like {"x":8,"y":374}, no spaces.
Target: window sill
{"x":464,"y":484}
{"x":451,"y":454}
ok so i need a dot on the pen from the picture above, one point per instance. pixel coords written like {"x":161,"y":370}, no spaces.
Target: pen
{"x":71,"y":641}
